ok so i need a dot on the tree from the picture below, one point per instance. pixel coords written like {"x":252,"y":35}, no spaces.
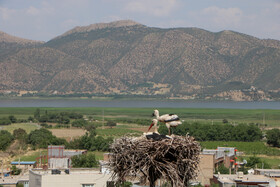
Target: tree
{"x":37,"y":114}
{"x":79,"y":123}
{"x":124,"y":184}
{"x":5,"y":121}
{"x":111,"y":124}
{"x":19,"y":134}
{"x":30,"y":118}
{"x":12,"y":118}
{"x":273,"y":137}
{"x":42,"y":138}
{"x":90,"y":127}
{"x":5,"y":139}
{"x":84,"y":161}
{"x":225,"y":121}
{"x":90,"y":142}
{"x":222,"y":169}
{"x":15,"y":170}
{"x":43,"y":118}
{"x":254,"y":161}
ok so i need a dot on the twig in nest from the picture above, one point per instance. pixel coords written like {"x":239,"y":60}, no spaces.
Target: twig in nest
{"x":175,"y":160}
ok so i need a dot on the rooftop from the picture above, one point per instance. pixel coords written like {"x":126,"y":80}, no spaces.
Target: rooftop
{"x":244,"y":179}
{"x":23,"y":163}
{"x":64,"y":171}
{"x":13,"y":179}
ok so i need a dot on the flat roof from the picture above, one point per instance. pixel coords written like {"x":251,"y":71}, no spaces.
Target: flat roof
{"x":13,"y":179}
{"x":23,"y":163}
{"x":271,"y":170}
{"x":244,"y":179}
{"x":71,"y":171}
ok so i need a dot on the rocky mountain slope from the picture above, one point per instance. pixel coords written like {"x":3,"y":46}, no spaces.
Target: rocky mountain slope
{"x":125,"y":57}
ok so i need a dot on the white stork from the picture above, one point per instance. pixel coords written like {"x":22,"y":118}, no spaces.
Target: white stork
{"x":154,"y":123}
{"x":170,"y":120}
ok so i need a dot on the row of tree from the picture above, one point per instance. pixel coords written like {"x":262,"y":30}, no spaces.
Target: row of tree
{"x":222,"y":132}
{"x":9,"y":120}
{"x":91,"y":142}
{"x":52,"y":117}
{"x":41,"y":138}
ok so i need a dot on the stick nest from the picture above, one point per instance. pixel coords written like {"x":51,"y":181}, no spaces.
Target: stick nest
{"x":175,"y":160}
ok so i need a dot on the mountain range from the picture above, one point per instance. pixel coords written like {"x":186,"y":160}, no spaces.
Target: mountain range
{"x":128,"y":58}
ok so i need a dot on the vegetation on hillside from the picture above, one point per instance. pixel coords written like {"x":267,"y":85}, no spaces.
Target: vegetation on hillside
{"x":6,"y":139}
{"x":125,"y":60}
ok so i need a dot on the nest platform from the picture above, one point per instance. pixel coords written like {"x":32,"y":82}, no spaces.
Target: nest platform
{"x":174,"y":159}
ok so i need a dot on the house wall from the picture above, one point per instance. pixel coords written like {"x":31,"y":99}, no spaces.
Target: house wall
{"x":35,"y":180}
{"x":206,"y":168}
{"x":25,"y":166}
{"x":59,"y":163}
{"x":76,"y":178}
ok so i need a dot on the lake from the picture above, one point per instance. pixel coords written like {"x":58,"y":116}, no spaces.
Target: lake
{"x":136,"y":103}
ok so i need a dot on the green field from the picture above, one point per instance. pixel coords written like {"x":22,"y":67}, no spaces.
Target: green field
{"x":32,"y":155}
{"x":127,"y":117}
{"x":272,"y":161}
{"x":249,"y":148}
{"x":117,"y":132}
{"x":28,"y":127}
{"x":271,"y":117}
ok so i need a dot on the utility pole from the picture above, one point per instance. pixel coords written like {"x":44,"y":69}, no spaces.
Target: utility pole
{"x":2,"y":168}
{"x":103,"y":119}
{"x":263,"y":118}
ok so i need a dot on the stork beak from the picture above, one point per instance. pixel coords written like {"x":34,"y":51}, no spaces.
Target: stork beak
{"x":150,"y":127}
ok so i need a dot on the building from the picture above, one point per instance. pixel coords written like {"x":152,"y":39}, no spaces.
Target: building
{"x":211,"y":159}
{"x":243,"y":180}
{"x":206,"y":168}
{"x":223,"y":155}
{"x":271,"y":173}
{"x":75,"y":177}
{"x":4,"y":172}
{"x":12,"y":181}
{"x":58,"y":157}
{"x":24,"y":165}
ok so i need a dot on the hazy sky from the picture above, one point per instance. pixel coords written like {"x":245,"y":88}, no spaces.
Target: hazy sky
{"x":46,"y":19}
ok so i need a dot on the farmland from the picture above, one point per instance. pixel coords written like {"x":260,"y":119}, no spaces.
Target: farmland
{"x":68,"y":134}
{"x":270,"y":117}
{"x":28,"y":127}
{"x":135,"y":121}
{"x":249,"y":148}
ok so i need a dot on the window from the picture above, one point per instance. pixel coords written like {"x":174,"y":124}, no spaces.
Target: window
{"x":87,"y":185}
{"x":26,"y":184}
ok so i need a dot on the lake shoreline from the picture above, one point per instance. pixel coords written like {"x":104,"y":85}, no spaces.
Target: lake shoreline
{"x":135,"y":103}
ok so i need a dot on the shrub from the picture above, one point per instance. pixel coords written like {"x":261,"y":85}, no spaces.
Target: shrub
{"x":273,"y":137}
{"x":6,"y":139}
{"x":84,"y":161}
{"x":5,"y":121}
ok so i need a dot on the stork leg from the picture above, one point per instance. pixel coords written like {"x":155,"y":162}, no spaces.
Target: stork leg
{"x":169,"y":131}
{"x":168,"y":126}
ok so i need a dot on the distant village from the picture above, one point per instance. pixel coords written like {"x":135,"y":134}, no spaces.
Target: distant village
{"x":251,"y":94}
{"x":55,"y":170}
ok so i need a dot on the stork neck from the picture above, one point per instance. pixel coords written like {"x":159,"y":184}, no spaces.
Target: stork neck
{"x":156,"y":114}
